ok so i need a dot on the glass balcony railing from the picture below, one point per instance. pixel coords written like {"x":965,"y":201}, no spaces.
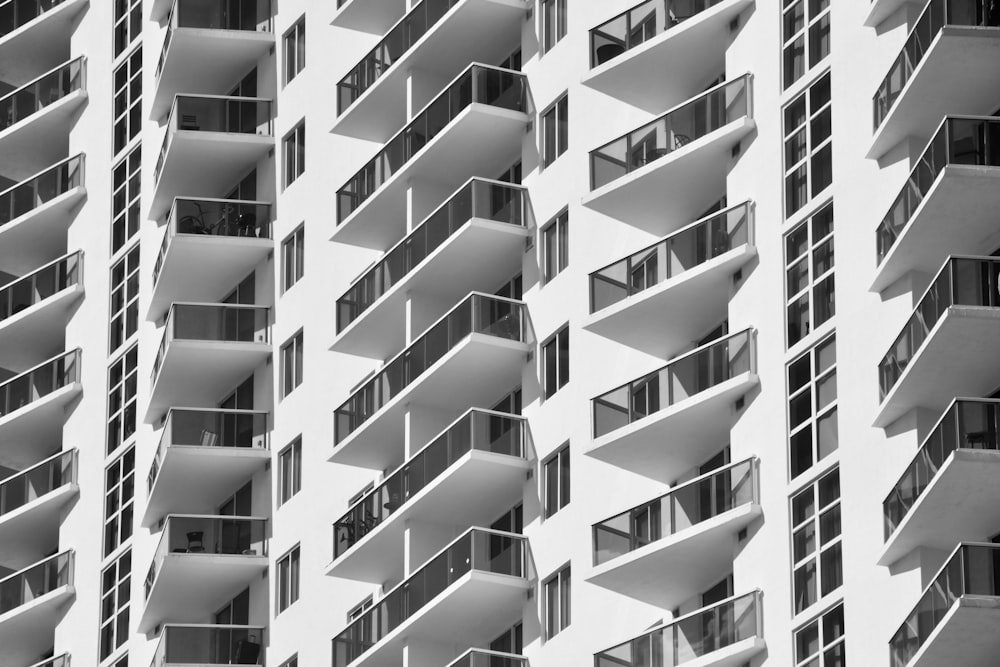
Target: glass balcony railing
{"x":43,"y":478}
{"x":936,"y":15}
{"x":689,"y":122}
{"x":962,"y":281}
{"x":39,"y":382}
{"x":41,"y":189}
{"x":43,"y":91}
{"x":681,"y":251}
{"x":209,"y":645}
{"x":640,"y":24}
{"x":32,"y":289}
{"x":691,"y":636}
{"x":973,"y":569}
{"x":58,"y":661}
{"x":477,"y":549}
{"x":195,"y":427}
{"x":482,"y":658}
{"x":479,"y":198}
{"x":243,"y":15}
{"x":683,"y":377}
{"x":684,"y":506}
{"x":16,"y":13}
{"x":216,"y":322}
{"x":477,"y":313}
{"x":974,"y":141}
{"x":35,"y":581}
{"x":478,"y":84}
{"x":479,"y":430}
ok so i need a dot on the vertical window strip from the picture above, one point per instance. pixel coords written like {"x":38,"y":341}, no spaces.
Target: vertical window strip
{"x":808,"y":142}
{"x":813,"y":431}
{"x":816,"y":541}
{"x":805,"y":31}
{"x":809,"y":274}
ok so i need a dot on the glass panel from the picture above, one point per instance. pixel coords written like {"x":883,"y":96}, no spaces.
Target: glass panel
{"x":41,"y":189}
{"x":28,"y":485}
{"x":210,"y":645}
{"x":35,"y":581}
{"x":43,"y":91}
{"x":39,"y":382}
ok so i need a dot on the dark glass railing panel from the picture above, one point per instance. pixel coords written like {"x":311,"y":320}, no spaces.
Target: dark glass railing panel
{"x":15,"y":13}
{"x":39,"y":382}
{"x":687,"y":505}
{"x":488,"y":200}
{"x":43,"y":478}
{"x":35,"y":581}
{"x":483,"y":658}
{"x":640,"y":24}
{"x":685,"y":376}
{"x":689,"y":122}
{"x":478,"y":313}
{"x":34,"y":288}
{"x":962,"y":281}
{"x":666,"y":259}
{"x":479,"y":84}
{"x":41,"y":189}
{"x":43,"y":91}
{"x":478,"y":549}
{"x":479,"y":430}
{"x":209,"y":645}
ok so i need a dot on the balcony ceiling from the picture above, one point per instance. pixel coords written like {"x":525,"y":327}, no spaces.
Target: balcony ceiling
{"x":40,"y":140}
{"x":883,"y":9}
{"x":33,"y":529}
{"x":38,"y":332}
{"x":26,"y":631}
{"x":39,"y":236}
{"x":372,"y":16}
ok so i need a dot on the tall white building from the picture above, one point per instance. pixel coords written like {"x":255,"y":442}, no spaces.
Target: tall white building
{"x":532,"y":352}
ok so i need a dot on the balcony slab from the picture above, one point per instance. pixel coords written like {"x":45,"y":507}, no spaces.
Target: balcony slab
{"x":967,"y":635}
{"x":371,"y":16}
{"x":39,"y":236}
{"x":37,"y":332}
{"x":31,"y":433}
{"x":33,"y":528}
{"x":41,"y":139}
{"x":27,"y":631}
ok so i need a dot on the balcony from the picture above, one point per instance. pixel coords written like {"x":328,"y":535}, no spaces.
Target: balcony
{"x":482,"y":458}
{"x":209,"y":246}
{"x":668,"y":550}
{"x":673,"y":168}
{"x":676,"y":417}
{"x":58,"y":661}
{"x":209,"y":645}
{"x":36,"y":213}
{"x":469,"y":357}
{"x":437,"y":37}
{"x":726,"y":634}
{"x":209,"y":44}
{"x":938,"y":71}
{"x":679,"y":42}
{"x":475,"y":126}
{"x":481,"y":658}
{"x":206,"y":350}
{"x":948,"y":347}
{"x":34,"y":310}
{"x":882,"y":9}
{"x":31,"y":507}
{"x":35,"y":34}
{"x":473,"y":590}
{"x":204,"y":456}
{"x":211,"y":141}
{"x":635,"y":300}
{"x":200,"y":563}
{"x":371,"y":16}
{"x":32,"y":602}
{"x":471,"y":242}
{"x":956,"y":618}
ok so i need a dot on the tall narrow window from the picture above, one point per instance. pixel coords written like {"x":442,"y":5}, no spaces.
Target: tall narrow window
{"x":128,"y":23}
{"x":290,"y":471}
{"x":128,"y":99}
{"x":809,"y":275}
{"x":295,"y":49}
{"x":291,"y":662}
{"x":553,"y":22}
{"x":555,"y":362}
{"x":288,"y":579}
{"x":294,"y":149}
{"x":805,"y":32}
{"x":119,"y":489}
{"x":808,"y":125}
{"x":291,"y":364}
{"x":555,"y":130}
{"x":126,"y":184}
{"x":124,"y":299}
{"x":115,"y":595}
{"x":816,"y":541}
{"x":557,"y":602}
{"x":556,"y":479}
{"x":555,"y":246}
{"x":820,"y":643}
{"x":293,"y":257}
{"x":812,"y":406}
{"x":123,"y":376}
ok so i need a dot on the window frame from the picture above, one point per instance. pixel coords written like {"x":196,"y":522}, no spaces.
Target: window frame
{"x":552,"y":11}
{"x":551,"y":346}
{"x":114,"y":618}
{"x":123,"y":378}
{"x":811,"y":149}
{"x":290,"y":460}
{"x":126,"y":183}
{"x":293,"y":149}
{"x":130,"y":116}
{"x":290,"y":42}
{"x":557,"y":601}
{"x":127,"y":25}
{"x":824,"y":644}
{"x":292,"y":349}
{"x":555,"y":119}
{"x":819,"y":548}
{"x":124,"y":319}
{"x":288,"y":571}
{"x":119,"y":502}
{"x":807,"y":33}
{"x":559,"y":224}
{"x":561,"y":464}
{"x":818,"y":379}
{"x":814,"y":284}
{"x":293,"y":257}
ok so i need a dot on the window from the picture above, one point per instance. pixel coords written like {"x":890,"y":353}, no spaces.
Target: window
{"x":115,"y":589}
{"x":820,"y":643}
{"x":291,"y":662}
{"x":290,"y":471}
{"x":293,"y":257}
{"x":128,"y":99}
{"x":128,"y":23}
{"x":556,"y":480}
{"x":557,"y":602}
{"x":812,"y":406}
{"x":555,"y":362}
{"x":555,"y":130}
{"x":124,"y":299}
{"x":555,"y":246}
{"x":291,"y":364}
{"x":805,"y":30}
{"x":808,"y":145}
{"x":122,"y":378}
{"x":294,"y":146}
{"x":358,"y":611}
{"x":553,"y":23}
{"x":288,"y":579}
{"x":809,"y":284}
{"x":119,"y":489}
{"x":816,"y":543}
{"x":125,"y":199}
{"x":295,"y":49}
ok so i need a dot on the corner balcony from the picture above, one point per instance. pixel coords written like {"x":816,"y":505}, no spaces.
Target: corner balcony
{"x":635,"y":300}
{"x":211,"y":141}
{"x":204,"y":457}
{"x":371,"y":16}
{"x":481,"y":459}
{"x":33,"y":33}
{"x":209,"y":45}
{"x":471,"y":242}
{"x":31,"y":506}
{"x":482,"y":658}
{"x":475,"y":126}
{"x":209,"y":246}
{"x":32,"y":602}
{"x":209,"y":645}
{"x":469,"y":357}
{"x":435,"y":36}
{"x":207,"y":349}
{"x":474,"y":589}
{"x":726,"y":634}
{"x":666,"y":551}
{"x":200,"y":563}
{"x":949,"y":345}
{"x":36,"y":213}
{"x":676,"y":417}
{"x":675,"y":167}
{"x":956,"y":618}
{"x":939,"y":70}
{"x":681,"y":43}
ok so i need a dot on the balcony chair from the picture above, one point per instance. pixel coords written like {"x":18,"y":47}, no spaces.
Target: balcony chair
{"x":196,"y":543}
{"x":209,"y":438}
{"x":606,"y":52}
{"x":247,"y":651}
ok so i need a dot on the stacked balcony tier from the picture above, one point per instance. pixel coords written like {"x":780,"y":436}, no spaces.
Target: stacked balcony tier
{"x":32,"y":602}
{"x":32,"y":503}
{"x":209,"y":645}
